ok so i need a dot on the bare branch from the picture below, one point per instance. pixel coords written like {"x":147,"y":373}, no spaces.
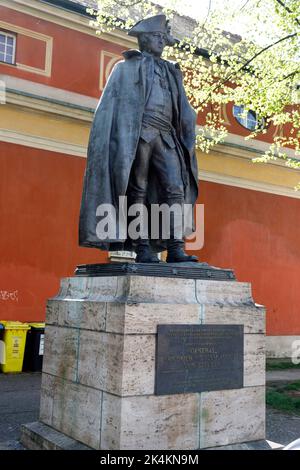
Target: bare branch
{"x":265,"y":49}
{"x":290,"y":75}
{"x":287,"y":9}
{"x":244,"y":66}
{"x":245,"y":4}
{"x":208,"y":13}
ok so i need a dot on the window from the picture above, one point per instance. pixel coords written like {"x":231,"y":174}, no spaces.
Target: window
{"x":247,"y":119}
{"x":7,"y":47}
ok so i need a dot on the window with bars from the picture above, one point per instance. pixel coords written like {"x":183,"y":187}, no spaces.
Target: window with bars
{"x":7,"y":47}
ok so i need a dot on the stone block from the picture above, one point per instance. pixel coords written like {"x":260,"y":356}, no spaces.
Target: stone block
{"x":93,"y":288}
{"x":161,"y":290}
{"x":143,"y":318}
{"x":138,"y":365}
{"x":223,"y":292}
{"x":39,"y":436}
{"x":123,"y":365}
{"x":77,"y":314}
{"x":115,"y":317}
{"x":47,"y":396}
{"x":252,"y":317}
{"x":100,"y":363}
{"x":73,"y":409}
{"x":77,"y":412}
{"x":52,"y":311}
{"x":232,"y":416}
{"x":254,"y":360}
{"x":150,"y":422}
{"x":61,"y":352}
{"x":130,"y":289}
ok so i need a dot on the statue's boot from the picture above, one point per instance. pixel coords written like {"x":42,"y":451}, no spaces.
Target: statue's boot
{"x":176,"y":253}
{"x":175,"y":245}
{"x":144,"y":254}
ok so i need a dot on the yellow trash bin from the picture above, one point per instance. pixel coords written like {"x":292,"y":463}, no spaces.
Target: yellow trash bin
{"x":14,"y":339}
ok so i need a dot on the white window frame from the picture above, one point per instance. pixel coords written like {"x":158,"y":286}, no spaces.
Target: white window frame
{"x":243,"y":117}
{"x":10,"y":35}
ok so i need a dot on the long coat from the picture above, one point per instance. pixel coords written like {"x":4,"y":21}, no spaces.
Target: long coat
{"x":114,"y":139}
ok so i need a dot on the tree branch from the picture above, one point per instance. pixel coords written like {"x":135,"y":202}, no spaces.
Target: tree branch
{"x":292,"y":74}
{"x":242,"y":7}
{"x":287,"y":9}
{"x":208,"y":12}
{"x":265,"y":49}
{"x":227,"y":79}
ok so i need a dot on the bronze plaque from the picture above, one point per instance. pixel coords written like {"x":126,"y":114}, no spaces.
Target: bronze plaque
{"x":199,"y":358}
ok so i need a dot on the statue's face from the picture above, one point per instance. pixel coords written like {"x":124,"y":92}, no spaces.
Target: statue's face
{"x":156,"y":43}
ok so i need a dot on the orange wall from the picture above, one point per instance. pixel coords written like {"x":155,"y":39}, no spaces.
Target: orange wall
{"x":253,"y":232}
{"x":76,"y":56}
{"x":40,"y":196}
{"x":25,"y":46}
{"x":258,"y":235}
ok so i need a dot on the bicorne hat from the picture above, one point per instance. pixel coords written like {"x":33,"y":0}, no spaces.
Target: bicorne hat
{"x":157,"y":23}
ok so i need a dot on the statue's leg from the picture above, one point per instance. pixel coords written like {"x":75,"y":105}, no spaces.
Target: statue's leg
{"x":137,"y":191}
{"x":168,"y":169}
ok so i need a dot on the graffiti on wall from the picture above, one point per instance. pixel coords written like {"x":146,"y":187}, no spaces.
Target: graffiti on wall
{"x":9,"y":295}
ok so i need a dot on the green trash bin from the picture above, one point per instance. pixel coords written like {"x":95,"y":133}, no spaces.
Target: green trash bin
{"x":34,"y":349}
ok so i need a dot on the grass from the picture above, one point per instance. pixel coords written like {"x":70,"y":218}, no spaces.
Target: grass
{"x":284,"y":398}
{"x":280,"y":364}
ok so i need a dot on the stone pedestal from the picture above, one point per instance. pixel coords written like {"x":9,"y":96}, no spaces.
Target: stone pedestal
{"x":99,"y":366}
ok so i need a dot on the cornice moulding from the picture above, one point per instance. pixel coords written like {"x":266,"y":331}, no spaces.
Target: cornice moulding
{"x":67,"y":19}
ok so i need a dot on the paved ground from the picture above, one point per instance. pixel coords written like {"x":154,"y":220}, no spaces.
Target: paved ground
{"x":19,"y":404}
{"x":284,"y":375}
{"x":20,"y":398}
{"x":282,"y":428}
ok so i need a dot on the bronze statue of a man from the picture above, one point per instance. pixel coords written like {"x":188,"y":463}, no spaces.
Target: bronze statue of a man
{"x":142,"y":146}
